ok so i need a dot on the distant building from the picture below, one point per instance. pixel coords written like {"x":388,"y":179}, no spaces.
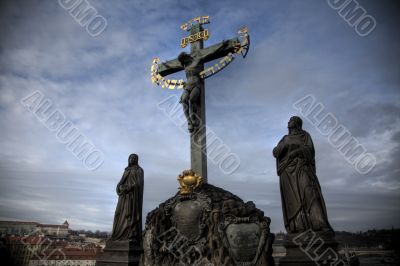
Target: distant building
{"x":36,"y":244}
{"x":54,"y":230}
{"x":66,"y":257}
{"x":43,"y":251}
{"x":22,"y":249}
{"x":18,"y":228}
{"x":29,"y":228}
{"x":279,"y":249}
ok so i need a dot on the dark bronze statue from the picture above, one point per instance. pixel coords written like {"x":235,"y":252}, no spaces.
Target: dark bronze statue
{"x":191,"y":92}
{"x":302,"y":201}
{"x":128,"y":214}
{"x":193,"y":64}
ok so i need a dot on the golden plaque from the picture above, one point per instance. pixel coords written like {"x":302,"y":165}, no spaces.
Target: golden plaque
{"x":202,"y":35}
{"x":189,"y":181}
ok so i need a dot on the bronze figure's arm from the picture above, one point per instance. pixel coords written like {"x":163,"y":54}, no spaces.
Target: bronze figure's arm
{"x":280,"y":148}
{"x":219,"y":50}
{"x":169,"y":67}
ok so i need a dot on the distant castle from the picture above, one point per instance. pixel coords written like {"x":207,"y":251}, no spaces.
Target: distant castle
{"x":29,"y":228}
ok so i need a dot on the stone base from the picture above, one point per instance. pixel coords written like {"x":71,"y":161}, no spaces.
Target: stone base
{"x":119,"y":253}
{"x":310,"y":249}
{"x":210,"y":226}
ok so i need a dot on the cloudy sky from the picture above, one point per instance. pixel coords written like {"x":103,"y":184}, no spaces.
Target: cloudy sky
{"x":102,"y":85}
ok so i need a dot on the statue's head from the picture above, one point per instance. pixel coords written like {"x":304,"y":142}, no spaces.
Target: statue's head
{"x":184,"y":58}
{"x":295,"y":123}
{"x":133,"y":160}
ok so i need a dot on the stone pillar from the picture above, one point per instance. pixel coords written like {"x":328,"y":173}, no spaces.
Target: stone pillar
{"x":311,"y":249}
{"x":198,"y":152}
{"x":119,"y":253}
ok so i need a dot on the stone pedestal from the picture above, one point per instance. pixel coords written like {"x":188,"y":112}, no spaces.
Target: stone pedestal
{"x":209,"y":226}
{"x":311,"y":248}
{"x":119,"y":253}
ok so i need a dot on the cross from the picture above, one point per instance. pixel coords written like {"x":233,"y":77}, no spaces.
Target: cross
{"x":193,"y":96}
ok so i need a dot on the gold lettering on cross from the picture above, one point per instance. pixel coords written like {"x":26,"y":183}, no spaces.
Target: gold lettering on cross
{"x":202,"y":35}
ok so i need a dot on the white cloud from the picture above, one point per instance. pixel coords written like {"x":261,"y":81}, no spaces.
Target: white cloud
{"x":102,"y":84}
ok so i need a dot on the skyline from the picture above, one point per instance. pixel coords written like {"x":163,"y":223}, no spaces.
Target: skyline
{"x":102,"y":85}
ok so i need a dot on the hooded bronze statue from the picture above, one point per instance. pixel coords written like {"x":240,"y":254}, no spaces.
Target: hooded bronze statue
{"x":128,"y":214}
{"x":302,"y":201}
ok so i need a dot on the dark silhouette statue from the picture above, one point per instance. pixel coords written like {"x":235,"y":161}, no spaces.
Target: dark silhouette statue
{"x":302,"y":201}
{"x":128,"y":214}
{"x":191,"y":92}
{"x":193,"y":64}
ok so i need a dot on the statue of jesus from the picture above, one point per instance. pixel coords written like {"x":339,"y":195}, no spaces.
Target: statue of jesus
{"x":193,"y":64}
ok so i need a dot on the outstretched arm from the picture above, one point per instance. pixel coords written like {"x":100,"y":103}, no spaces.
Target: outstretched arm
{"x":219,"y":50}
{"x":169,"y":67}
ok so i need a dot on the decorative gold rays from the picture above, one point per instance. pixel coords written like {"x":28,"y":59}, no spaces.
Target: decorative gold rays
{"x":199,"y":20}
{"x":172,"y":84}
{"x":160,"y":80}
{"x":242,"y":49}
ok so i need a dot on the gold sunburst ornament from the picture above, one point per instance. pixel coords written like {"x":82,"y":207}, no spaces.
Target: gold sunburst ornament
{"x":241,"y":49}
{"x":189,"y":181}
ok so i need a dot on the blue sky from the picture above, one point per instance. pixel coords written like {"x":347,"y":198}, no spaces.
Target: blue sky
{"x":103,"y":85}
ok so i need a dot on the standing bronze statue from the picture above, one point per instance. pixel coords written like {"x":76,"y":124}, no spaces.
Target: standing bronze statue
{"x":128,"y":214}
{"x":302,"y":201}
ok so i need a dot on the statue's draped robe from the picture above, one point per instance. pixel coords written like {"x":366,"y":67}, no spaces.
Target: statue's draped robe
{"x":302,"y":201}
{"x":128,"y":218}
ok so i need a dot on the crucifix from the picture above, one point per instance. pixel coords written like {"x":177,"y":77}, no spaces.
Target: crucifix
{"x":193,"y":95}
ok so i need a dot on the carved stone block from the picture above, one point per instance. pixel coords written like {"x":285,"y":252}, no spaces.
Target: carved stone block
{"x":119,"y":253}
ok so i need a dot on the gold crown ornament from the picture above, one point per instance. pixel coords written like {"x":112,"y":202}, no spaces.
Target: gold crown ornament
{"x":189,"y":181}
